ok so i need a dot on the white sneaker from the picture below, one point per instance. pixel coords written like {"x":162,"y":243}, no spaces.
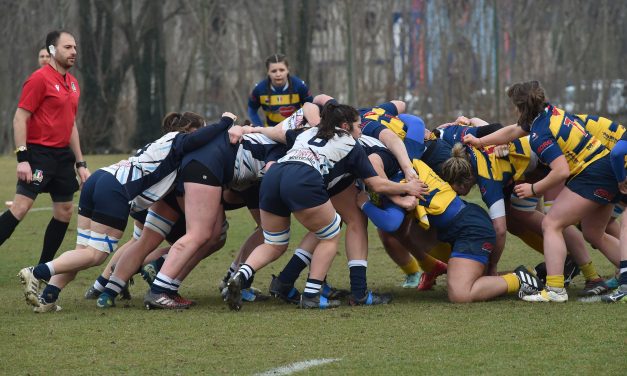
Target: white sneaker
{"x":31,"y":286}
{"x":43,"y":307}
{"x":548,"y":294}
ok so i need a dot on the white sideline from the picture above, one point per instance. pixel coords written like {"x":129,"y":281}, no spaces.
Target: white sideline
{"x":296,"y":367}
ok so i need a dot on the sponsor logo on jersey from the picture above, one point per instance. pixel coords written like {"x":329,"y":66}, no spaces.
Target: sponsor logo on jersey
{"x":57,"y":87}
{"x":73,"y":87}
{"x":544,"y":146}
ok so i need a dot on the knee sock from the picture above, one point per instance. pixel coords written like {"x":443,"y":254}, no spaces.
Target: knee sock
{"x":622,"y":279}
{"x":513,"y":283}
{"x":114,"y":286}
{"x":176,"y":284}
{"x":100,"y":283}
{"x":298,"y":263}
{"x":412,"y":267}
{"x":44,"y":271}
{"x":8,"y":223}
{"x":51,"y":294}
{"x":555,"y":281}
{"x":230,"y":272}
{"x":359,"y":283}
{"x":589,"y":271}
{"x":55,"y":232}
{"x":312,"y":288}
{"x":428,"y":263}
{"x":248,"y":273}
{"x":162,"y":284}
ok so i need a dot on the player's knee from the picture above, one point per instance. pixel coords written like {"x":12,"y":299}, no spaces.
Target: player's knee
{"x":331,"y":230}
{"x":63,"y":212}
{"x":102,"y":243}
{"x":400,"y":106}
{"x":458,"y":295}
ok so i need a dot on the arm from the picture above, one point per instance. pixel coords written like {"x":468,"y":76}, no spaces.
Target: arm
{"x":312,"y":114}
{"x":397,"y":147}
{"x":24,"y":171}
{"x":389,"y":218}
{"x":274,"y":133}
{"x":254,"y":116}
{"x":407,"y":202}
{"x":502,"y":136}
{"x":205,"y":134}
{"x":75,"y":145}
{"x":617,"y":157}
{"x":415,"y":135}
{"x":380,"y":185}
{"x":558,"y":174}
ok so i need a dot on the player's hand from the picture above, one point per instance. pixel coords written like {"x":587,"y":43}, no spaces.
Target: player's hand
{"x":473,"y":141}
{"x":417,"y":189}
{"x":230,"y":115}
{"x":462,"y":120}
{"x":24,"y":172}
{"x":523,"y":190}
{"x":235,"y":134}
{"x":83,"y":175}
{"x":623,"y":187}
{"x":501,"y":151}
{"x":410,"y":173}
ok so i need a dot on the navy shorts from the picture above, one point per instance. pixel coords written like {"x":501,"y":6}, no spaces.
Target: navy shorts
{"x":103,"y":200}
{"x":290,"y":187}
{"x":471,"y":234}
{"x":596,"y":183}
{"x":53,"y":172}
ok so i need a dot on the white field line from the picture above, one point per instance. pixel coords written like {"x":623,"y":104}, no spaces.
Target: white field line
{"x":296,"y":367}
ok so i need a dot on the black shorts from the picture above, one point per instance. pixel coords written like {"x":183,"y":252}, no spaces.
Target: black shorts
{"x":53,"y":172}
{"x":196,"y":172}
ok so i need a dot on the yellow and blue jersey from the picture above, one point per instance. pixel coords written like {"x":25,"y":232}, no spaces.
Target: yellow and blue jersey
{"x":453,"y":134}
{"x":441,"y":203}
{"x":555,"y":132}
{"x":605,"y":130}
{"x":279,"y":103}
{"x":494,"y":176}
{"x":385,"y":115}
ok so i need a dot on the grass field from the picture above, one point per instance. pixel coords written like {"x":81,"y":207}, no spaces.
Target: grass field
{"x":419,"y":333}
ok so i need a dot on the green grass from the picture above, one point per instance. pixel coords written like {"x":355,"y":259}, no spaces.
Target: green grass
{"x":420,"y":333}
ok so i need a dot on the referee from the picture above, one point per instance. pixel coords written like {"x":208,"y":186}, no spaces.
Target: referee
{"x":47,"y":144}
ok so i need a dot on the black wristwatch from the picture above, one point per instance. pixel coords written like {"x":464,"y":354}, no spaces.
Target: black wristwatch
{"x":80,"y":164}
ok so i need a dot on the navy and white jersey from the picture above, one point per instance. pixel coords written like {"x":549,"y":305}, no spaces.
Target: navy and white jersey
{"x":149,"y":174}
{"x":374,"y":146}
{"x":254,"y":152}
{"x":295,"y":120}
{"x":333,"y":159}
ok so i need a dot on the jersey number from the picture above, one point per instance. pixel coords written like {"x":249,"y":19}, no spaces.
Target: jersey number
{"x":319,"y":142}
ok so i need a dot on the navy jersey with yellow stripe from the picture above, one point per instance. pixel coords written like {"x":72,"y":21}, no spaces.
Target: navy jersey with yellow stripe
{"x":493,"y":175}
{"x":555,"y":132}
{"x":605,"y":130}
{"x":279,"y":103}
{"x":453,"y":134}
{"x":385,"y":115}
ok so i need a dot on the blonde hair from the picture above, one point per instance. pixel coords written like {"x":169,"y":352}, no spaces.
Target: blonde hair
{"x":457,"y":170}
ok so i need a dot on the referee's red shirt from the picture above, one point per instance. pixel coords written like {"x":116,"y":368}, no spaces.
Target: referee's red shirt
{"x":52,"y":100}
